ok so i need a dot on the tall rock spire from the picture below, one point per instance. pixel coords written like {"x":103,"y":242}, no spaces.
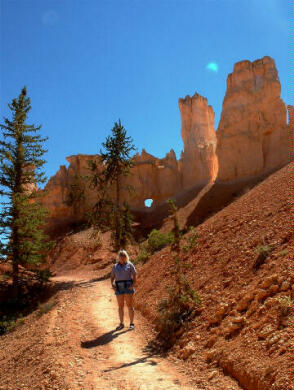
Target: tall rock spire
{"x":199,"y":163}
{"x":253,"y":136}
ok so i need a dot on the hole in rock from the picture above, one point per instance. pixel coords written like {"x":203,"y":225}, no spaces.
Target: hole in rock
{"x":148,"y":202}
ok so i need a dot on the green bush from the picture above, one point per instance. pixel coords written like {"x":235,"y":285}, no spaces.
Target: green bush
{"x":44,"y":275}
{"x":46,"y":307}
{"x":176,"y":311}
{"x":191,"y":240}
{"x":142,"y":256}
{"x":286,"y":305}
{"x":263,"y":252}
{"x":4,"y":277}
{"x":158,"y":240}
{"x":97,"y":244}
{"x":182,"y":303}
{"x":284,"y":252}
{"x":8,"y":323}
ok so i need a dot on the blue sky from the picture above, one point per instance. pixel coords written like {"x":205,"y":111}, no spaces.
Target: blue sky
{"x":88,"y":63}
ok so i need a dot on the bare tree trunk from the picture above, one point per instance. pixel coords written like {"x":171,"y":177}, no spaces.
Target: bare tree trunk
{"x":15,"y":215}
{"x":15,"y":285}
{"x":117,"y":220}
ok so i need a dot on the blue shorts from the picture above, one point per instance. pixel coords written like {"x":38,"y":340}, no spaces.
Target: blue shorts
{"x":124,"y":287}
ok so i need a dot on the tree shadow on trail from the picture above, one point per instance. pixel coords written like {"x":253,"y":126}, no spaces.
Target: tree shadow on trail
{"x":143,"y":359}
{"x":68,"y":285}
{"x":103,"y":339}
{"x":155,"y":348}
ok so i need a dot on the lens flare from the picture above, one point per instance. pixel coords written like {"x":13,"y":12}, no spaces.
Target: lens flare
{"x":148,"y":202}
{"x":213,"y":66}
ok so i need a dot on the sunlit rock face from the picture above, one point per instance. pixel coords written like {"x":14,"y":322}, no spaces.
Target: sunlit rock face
{"x":199,"y":162}
{"x":152,"y":178}
{"x":291,"y":117}
{"x":253,"y":139}
{"x":59,"y":189}
{"x":68,"y":195}
{"x":253,"y":136}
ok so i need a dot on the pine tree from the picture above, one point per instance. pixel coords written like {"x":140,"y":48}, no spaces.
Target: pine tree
{"x":117,"y":162}
{"x":182,"y":302}
{"x":21,"y":216}
{"x":126,"y":229}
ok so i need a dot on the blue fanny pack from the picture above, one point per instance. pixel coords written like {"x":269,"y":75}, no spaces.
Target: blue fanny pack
{"x":123,"y":286}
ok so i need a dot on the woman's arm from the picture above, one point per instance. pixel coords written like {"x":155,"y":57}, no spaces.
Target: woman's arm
{"x":134,"y":280}
{"x":133,"y":274}
{"x":112,"y":277}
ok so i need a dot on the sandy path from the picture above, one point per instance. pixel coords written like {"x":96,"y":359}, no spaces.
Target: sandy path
{"x":109,"y":359}
{"x":129,"y":365}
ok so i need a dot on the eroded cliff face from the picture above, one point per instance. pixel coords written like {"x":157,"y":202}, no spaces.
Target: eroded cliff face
{"x":68,"y":195}
{"x":152,"y":178}
{"x":253,"y":139}
{"x":253,"y":136}
{"x":199,"y":162}
{"x":291,"y":117}
{"x":64,"y":197}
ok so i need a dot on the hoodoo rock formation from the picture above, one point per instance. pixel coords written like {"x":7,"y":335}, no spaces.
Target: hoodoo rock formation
{"x":253,"y":136}
{"x":68,"y":195}
{"x":253,"y":140}
{"x":291,"y":118}
{"x":152,"y":178}
{"x":199,"y":162}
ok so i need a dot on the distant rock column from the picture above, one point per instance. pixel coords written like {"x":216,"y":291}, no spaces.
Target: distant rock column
{"x":198,"y":160}
{"x":253,"y":136}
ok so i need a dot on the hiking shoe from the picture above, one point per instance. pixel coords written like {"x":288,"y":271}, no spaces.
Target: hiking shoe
{"x":119,"y":327}
{"x":132,"y":326}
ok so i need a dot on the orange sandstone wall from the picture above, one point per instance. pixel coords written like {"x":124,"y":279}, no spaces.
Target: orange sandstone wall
{"x":253,"y":139}
{"x":253,"y":136}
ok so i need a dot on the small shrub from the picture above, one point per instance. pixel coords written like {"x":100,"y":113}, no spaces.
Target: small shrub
{"x":286,"y":305}
{"x":142,"y":257}
{"x":46,"y":307}
{"x":263,"y":251}
{"x":191,"y":241}
{"x":43,"y":275}
{"x":284,"y":252}
{"x":4,"y":277}
{"x":158,"y":240}
{"x":176,"y":311}
{"x":8,"y":323}
{"x":183,"y":302}
{"x":97,"y":244}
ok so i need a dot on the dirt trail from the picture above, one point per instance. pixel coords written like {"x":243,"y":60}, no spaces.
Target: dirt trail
{"x":115,"y":360}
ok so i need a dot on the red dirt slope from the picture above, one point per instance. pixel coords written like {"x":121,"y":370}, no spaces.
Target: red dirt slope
{"x":246,"y":326}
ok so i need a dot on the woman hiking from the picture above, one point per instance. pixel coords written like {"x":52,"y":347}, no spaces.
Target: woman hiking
{"x":124,"y":275}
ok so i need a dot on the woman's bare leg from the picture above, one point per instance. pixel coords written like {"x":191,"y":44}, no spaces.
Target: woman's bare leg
{"x":120,"y":302}
{"x":130,"y":305}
